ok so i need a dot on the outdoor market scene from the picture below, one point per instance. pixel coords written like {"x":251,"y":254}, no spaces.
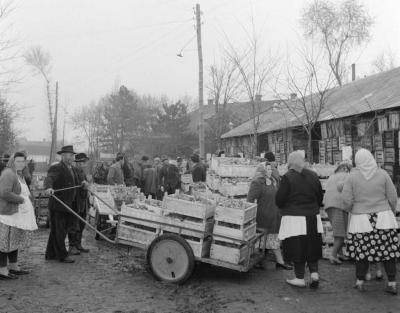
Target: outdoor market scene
{"x":260,"y":180}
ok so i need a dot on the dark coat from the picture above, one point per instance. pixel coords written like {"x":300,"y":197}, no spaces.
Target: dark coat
{"x":169,"y":178}
{"x":268,"y":215}
{"x":82,"y":196}
{"x":10,"y":190}
{"x":300,"y":194}
{"x":199,"y":173}
{"x":58,"y":177}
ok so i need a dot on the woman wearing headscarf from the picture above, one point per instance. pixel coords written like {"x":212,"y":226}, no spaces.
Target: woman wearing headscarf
{"x":334,"y":207}
{"x":263,"y":188}
{"x":299,"y":199}
{"x":17,"y":216}
{"x":371,"y":198}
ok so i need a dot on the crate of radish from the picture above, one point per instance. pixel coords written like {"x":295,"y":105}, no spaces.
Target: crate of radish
{"x":192,"y":206}
{"x":146,"y":210}
{"x":235,"y":219}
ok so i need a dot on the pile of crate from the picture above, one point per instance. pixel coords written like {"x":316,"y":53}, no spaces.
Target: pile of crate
{"x":231,"y":176}
{"x":327,"y":236}
{"x":190,"y":217}
{"x":41,"y":204}
{"x":235,"y":226}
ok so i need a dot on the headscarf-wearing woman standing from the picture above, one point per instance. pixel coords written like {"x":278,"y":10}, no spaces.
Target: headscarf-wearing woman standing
{"x":334,"y":207}
{"x":371,"y":198}
{"x":17,"y":216}
{"x":263,"y":188}
{"x":299,"y":198}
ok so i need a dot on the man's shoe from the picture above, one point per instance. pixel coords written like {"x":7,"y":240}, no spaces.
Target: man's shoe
{"x":8,"y":277}
{"x":67,"y":260}
{"x":74,"y":251}
{"x":82,"y":249}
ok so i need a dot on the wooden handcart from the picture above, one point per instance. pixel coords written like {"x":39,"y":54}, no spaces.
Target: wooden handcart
{"x":172,"y":249}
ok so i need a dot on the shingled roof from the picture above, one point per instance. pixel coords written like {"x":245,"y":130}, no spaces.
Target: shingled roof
{"x":376,"y":92}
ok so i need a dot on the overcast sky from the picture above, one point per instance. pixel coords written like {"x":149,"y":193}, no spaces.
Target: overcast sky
{"x":96,"y":43}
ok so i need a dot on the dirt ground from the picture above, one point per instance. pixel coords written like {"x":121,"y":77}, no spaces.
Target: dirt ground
{"x":113,"y":279}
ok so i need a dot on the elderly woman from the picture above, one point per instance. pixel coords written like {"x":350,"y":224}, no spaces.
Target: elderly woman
{"x":371,"y":198}
{"x":263,"y":189}
{"x":17,"y":216}
{"x":299,"y":199}
{"x":334,"y":207}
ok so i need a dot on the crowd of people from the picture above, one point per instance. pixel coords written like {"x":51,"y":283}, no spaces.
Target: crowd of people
{"x":361,"y":205}
{"x":153,"y":176}
{"x":360,"y":202}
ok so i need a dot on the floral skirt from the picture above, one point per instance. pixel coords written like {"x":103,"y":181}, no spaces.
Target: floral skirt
{"x":377,"y":245}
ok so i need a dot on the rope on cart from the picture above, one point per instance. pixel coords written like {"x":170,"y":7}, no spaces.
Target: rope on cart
{"x":83,"y":220}
{"x":68,"y":188}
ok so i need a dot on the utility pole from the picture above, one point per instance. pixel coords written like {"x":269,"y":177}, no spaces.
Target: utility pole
{"x":200,"y":54}
{"x":54,"y":133}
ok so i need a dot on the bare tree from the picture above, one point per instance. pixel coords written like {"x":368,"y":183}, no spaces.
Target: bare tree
{"x":88,"y":120}
{"x":255,"y":68}
{"x":306,"y":90}
{"x":338,"y":27}
{"x":385,"y":61}
{"x":223,"y":88}
{"x":40,"y":62}
{"x":9,"y":48}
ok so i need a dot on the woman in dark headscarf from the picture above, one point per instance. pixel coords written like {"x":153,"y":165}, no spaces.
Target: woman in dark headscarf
{"x":263,"y":188}
{"x":17,"y":216}
{"x":299,"y":198}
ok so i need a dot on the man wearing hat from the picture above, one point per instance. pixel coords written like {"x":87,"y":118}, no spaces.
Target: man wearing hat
{"x":4,"y":161}
{"x":169,"y":177}
{"x":81,"y":205}
{"x":59,"y":176}
{"x":115,"y":173}
{"x":199,"y":171}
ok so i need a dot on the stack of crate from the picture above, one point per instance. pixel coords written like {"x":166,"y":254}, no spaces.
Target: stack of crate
{"x":329,"y":155}
{"x":192,"y":218}
{"x":390,"y":152}
{"x":327,"y":236}
{"x":322,"y":152}
{"x":233,"y":230}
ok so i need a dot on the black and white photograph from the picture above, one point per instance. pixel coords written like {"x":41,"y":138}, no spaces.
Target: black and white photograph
{"x":199,"y":156}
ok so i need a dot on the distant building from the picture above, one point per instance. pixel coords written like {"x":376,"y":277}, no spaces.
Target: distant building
{"x":39,"y":151}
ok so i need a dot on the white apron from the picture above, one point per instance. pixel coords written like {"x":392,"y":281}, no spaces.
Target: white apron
{"x":25,"y":217}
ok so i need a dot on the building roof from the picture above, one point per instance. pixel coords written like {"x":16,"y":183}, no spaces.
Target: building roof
{"x":38,"y":148}
{"x":241,"y":109}
{"x":376,"y":92}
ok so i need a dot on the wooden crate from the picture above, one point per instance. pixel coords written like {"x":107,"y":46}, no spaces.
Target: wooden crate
{"x":235,"y":231}
{"x":236,"y":216}
{"x":193,"y":227}
{"x":234,"y":253}
{"x":200,"y":245}
{"x":236,"y":170}
{"x":189,"y":208}
{"x":379,"y":156}
{"x":389,"y":155}
{"x":153,"y":213}
{"x":137,"y":234}
{"x":232,"y":190}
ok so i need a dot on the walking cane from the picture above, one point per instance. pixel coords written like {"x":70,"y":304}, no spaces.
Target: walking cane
{"x":83,"y":220}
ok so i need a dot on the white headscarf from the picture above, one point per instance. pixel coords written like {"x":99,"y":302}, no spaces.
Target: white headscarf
{"x":296,"y":161}
{"x":365,"y":162}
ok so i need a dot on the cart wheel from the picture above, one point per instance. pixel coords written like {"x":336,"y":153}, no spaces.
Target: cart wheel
{"x":170,"y":258}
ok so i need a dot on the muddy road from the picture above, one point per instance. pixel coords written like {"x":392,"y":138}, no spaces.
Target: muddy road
{"x":113,"y":279}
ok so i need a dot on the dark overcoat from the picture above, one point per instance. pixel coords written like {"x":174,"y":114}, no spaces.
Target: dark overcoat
{"x":58,"y":177}
{"x":268,"y":214}
{"x":82,"y":197}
